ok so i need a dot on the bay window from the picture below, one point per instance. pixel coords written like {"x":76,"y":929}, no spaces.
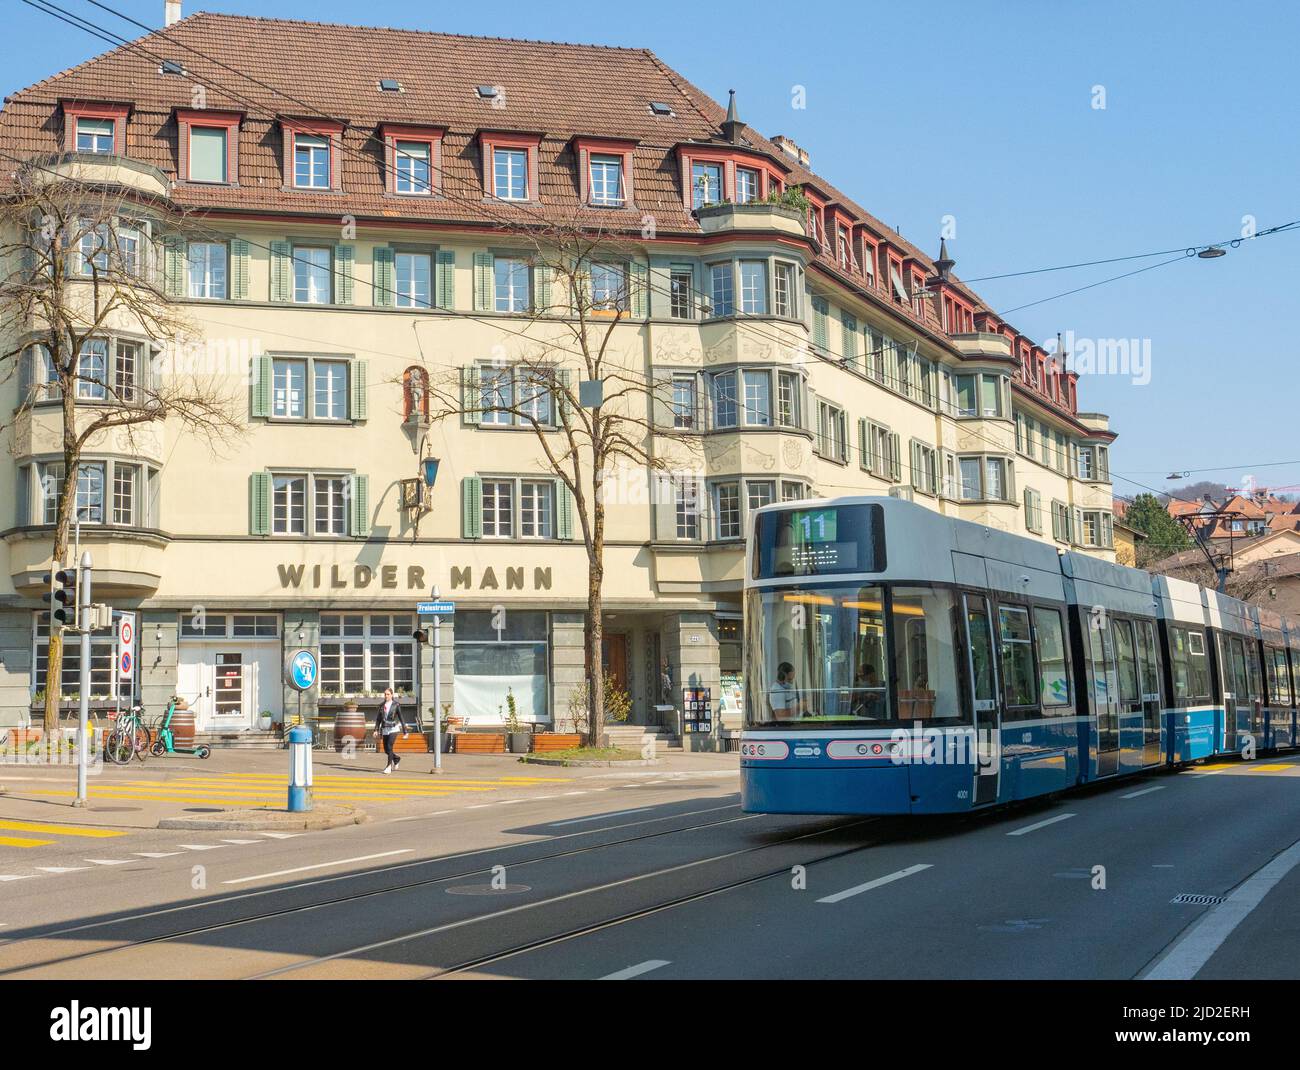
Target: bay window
{"x":735,"y":499}
{"x":686,"y":503}
{"x":685,"y":404}
{"x":783,"y":279}
{"x":984,"y":478}
{"x":753,"y":287}
{"x":108,"y":492}
{"x":747,"y":185}
{"x":92,"y":370}
{"x":789,"y":407}
{"x":724,"y":400}
{"x":706,"y":183}
{"x":722,"y":284}
{"x":758,"y":398}
{"x":681,"y":292}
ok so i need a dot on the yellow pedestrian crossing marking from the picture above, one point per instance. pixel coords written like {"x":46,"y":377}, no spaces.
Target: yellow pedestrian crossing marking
{"x":1272,"y":767}
{"x":22,"y":841}
{"x":58,"y":830}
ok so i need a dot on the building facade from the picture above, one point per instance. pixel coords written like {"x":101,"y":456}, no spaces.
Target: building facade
{"x":368,"y":233}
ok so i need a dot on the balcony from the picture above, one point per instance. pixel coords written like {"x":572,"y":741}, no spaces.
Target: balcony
{"x":757,"y":217}
{"x":97,"y":169}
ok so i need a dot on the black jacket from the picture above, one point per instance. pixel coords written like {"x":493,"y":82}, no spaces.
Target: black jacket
{"x":395,"y":717}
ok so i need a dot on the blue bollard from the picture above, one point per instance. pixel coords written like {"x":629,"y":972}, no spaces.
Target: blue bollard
{"x":299,"y":770}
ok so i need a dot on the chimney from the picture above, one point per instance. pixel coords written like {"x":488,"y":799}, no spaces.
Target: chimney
{"x":790,"y":149}
{"x":171,"y":12}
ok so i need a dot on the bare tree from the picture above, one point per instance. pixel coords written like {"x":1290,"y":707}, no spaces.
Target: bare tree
{"x":83,"y":261}
{"x":586,"y":281}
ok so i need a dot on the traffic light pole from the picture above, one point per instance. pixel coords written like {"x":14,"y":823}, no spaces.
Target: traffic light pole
{"x":84,"y":622}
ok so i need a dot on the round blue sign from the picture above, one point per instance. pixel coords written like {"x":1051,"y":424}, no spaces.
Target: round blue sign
{"x":302,"y":670}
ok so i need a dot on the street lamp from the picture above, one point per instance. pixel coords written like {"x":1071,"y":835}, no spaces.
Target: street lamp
{"x":429,"y":469}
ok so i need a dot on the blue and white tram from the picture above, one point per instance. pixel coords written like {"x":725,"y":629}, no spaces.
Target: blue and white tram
{"x":901,"y":662}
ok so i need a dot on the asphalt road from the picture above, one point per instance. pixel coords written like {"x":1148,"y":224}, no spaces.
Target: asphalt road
{"x":625,"y":878}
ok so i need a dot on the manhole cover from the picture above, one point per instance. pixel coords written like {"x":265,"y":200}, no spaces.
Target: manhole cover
{"x":487,"y":889}
{"x":116,"y":809}
{"x":1191,"y":899}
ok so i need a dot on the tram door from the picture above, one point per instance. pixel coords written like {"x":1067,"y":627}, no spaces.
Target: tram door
{"x":1236,"y":688}
{"x":1149,"y":667}
{"x":982,"y":673}
{"x":1105,"y":693}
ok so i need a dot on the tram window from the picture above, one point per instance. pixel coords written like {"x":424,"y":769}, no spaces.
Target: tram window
{"x":1146,"y":648}
{"x":1279,"y":683}
{"x":1127,"y":661}
{"x":1018,"y":678}
{"x":1178,"y":664}
{"x":981,"y":652}
{"x":1052,"y":667}
{"x":1254,"y":683}
{"x":1198,"y":666}
{"x":925,"y":665}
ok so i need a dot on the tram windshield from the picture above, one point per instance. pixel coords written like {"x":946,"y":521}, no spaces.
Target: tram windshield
{"x":850,"y":655}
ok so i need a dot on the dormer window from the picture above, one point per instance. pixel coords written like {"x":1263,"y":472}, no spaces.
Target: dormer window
{"x":94,"y":135}
{"x":311,"y":161}
{"x":208,"y":146}
{"x":706,"y":183}
{"x":510,"y":166}
{"x":604,"y":171}
{"x":411,"y":161}
{"x":748,"y":185}
{"x":510,"y":174}
{"x":93,"y":127}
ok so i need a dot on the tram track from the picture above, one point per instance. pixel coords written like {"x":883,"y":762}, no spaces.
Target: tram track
{"x":86,"y":929}
{"x":477,"y":962}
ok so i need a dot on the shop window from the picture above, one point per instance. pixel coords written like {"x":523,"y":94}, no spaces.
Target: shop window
{"x":500,"y":659}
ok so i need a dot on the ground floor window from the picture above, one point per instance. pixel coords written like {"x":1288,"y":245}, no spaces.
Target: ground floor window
{"x":364,"y":653}
{"x":101,"y":662}
{"x":502,"y":655}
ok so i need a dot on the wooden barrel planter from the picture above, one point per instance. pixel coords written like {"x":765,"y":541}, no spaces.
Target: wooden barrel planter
{"x":349,"y":725}
{"x":182,"y":727}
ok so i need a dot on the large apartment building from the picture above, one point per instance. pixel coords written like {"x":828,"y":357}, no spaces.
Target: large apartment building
{"x":362,"y":206}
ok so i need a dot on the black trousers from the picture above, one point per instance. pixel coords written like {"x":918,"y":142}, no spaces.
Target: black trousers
{"x":390,"y":740}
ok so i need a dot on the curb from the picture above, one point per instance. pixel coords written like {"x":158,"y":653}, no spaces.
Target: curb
{"x":579,"y":763}
{"x":324,"y":817}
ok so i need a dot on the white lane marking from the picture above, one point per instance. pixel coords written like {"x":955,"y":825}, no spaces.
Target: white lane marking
{"x":281,"y":835}
{"x":509,"y":802}
{"x":635,"y":971}
{"x":319,"y":865}
{"x":156,"y":854}
{"x":858,"y":889}
{"x":598,"y":817}
{"x":1040,"y":824}
{"x":1144,"y":791}
{"x":241,"y":842}
{"x":1196,"y":946}
{"x":479,"y":806}
{"x":199,"y":846}
{"x":21,"y":877}
{"x":540,"y":797}
{"x":61,"y":869}
{"x":108,"y":861}
{"x":575,"y":793}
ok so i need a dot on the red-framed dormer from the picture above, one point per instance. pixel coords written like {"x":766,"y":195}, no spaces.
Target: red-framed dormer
{"x":207,"y":146}
{"x":597,"y":159}
{"x":104,"y":130}
{"x":958,"y":313}
{"x":916,"y":272}
{"x":895,"y":280}
{"x":839,"y":233}
{"x":422,"y":145}
{"x":304,"y":141}
{"x":719,"y":169}
{"x":868,"y":249}
{"x":817,"y":216}
{"x":517,"y":173}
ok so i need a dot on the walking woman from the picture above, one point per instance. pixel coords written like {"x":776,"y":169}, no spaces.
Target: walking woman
{"x":388,"y":723}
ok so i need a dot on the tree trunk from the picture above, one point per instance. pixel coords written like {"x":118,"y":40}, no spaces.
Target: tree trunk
{"x":595,"y":617}
{"x":59,"y":554}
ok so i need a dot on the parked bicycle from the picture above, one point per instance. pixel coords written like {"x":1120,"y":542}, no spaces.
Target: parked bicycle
{"x":130,"y":737}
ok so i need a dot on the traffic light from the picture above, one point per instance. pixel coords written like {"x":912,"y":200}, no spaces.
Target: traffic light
{"x":62,"y":597}
{"x":421,"y":635}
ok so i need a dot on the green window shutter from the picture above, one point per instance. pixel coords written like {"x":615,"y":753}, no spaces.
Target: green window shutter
{"x":820,"y":331}
{"x":359,"y":392}
{"x":385,"y":283}
{"x":262,"y":374}
{"x":895,"y":461}
{"x":543,"y":283}
{"x":174,"y":262}
{"x":471,"y":513}
{"x":360,"y":505}
{"x":281,"y":271}
{"x":483,"y":290}
{"x":639,"y":280}
{"x":239,"y":268}
{"x":344,"y":268}
{"x":564,"y":511}
{"x":446,"y":278}
{"x":259,"y":503}
{"x":470,"y":395}
{"x":849,"y":339}
{"x":564,"y":380}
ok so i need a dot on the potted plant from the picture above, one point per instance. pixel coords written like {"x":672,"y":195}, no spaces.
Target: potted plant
{"x":264,"y":721}
{"x":518,"y":734}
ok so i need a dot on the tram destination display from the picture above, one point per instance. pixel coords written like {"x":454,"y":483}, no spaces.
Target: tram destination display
{"x":819,"y":540}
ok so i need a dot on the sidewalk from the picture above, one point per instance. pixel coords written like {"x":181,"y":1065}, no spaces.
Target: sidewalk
{"x":142,"y":794}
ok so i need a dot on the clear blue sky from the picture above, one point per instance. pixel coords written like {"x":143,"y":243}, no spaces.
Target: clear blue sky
{"x":984,"y":111}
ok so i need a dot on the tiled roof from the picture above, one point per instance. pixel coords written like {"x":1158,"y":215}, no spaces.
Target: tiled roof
{"x":558,"y":90}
